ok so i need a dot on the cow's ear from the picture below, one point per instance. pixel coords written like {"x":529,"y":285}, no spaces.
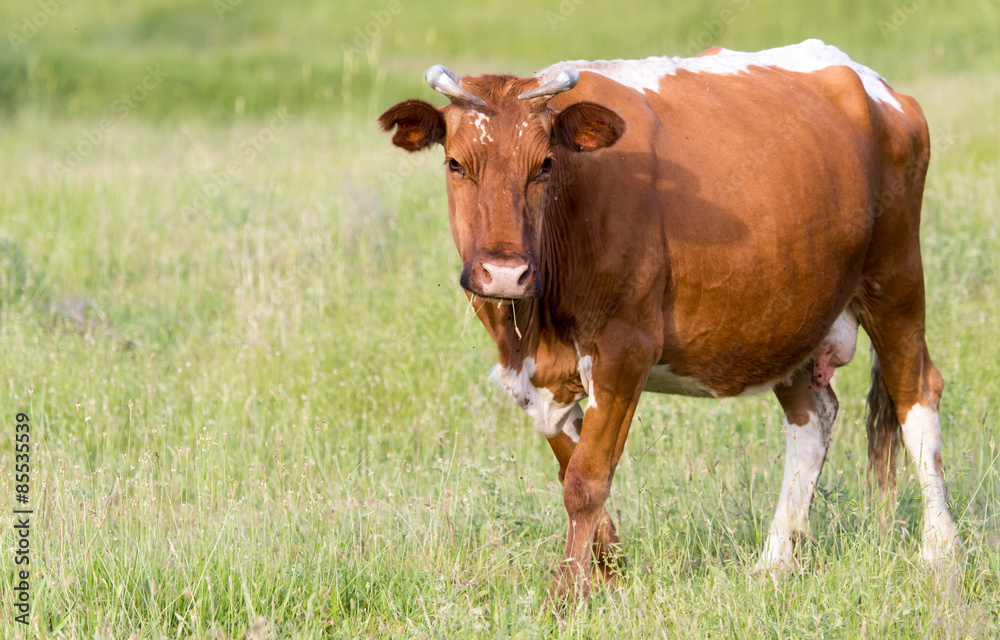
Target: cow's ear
{"x":418,"y":124}
{"x":585,"y":126}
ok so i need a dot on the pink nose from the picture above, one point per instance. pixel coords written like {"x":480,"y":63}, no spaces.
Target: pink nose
{"x":504,"y":279}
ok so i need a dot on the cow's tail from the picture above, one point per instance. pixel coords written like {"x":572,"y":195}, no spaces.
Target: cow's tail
{"x":883,"y":431}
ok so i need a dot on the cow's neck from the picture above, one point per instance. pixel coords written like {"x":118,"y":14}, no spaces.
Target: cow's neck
{"x":513,"y":325}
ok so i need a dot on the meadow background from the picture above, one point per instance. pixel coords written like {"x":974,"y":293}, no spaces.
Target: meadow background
{"x":260,"y":407}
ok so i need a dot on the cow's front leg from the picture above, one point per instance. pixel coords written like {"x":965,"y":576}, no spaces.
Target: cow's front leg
{"x":618,"y":377}
{"x":606,"y":548}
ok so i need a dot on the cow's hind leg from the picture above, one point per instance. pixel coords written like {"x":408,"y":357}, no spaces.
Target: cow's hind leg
{"x":906,"y":389}
{"x":606,"y":546}
{"x":809,"y":417}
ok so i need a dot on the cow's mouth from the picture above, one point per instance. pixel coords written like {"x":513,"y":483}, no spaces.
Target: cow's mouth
{"x":502,"y":277}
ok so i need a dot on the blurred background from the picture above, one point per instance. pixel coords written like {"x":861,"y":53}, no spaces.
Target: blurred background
{"x":232,"y":58}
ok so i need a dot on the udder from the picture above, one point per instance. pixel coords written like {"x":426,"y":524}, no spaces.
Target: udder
{"x":836,"y":350}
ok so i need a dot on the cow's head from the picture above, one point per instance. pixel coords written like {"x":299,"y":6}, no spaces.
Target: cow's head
{"x":501,"y":141}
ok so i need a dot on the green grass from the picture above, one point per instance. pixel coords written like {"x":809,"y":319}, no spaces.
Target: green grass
{"x":318,"y":55}
{"x":257,"y":392}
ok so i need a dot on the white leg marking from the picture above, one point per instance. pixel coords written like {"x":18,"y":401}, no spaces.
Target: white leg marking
{"x":805,"y":451}
{"x":922,"y":436}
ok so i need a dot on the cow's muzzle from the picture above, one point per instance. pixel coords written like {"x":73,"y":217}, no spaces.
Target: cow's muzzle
{"x":511,"y":277}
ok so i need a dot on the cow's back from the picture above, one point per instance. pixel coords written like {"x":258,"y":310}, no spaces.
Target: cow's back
{"x":747,"y":200}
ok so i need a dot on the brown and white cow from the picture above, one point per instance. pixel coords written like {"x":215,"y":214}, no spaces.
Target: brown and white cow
{"x":715,"y":226}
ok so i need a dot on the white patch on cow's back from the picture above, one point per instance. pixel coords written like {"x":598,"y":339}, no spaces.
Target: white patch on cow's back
{"x":480,"y":120}
{"x":805,"y":57}
{"x":549,"y":417}
{"x":662,"y":380}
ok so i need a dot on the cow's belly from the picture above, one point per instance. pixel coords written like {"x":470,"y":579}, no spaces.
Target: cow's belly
{"x":663,"y":380}
{"x":835,"y":350}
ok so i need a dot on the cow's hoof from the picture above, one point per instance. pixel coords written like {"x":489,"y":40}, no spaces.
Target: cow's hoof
{"x":778,"y":555}
{"x":568,"y":587}
{"x":775,"y":567}
{"x":941,"y":547}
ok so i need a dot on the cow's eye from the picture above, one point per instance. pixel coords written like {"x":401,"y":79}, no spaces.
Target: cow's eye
{"x":544,"y":170}
{"x":455,"y":167}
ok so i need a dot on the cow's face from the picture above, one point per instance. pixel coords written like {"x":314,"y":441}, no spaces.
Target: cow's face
{"x":500,"y":160}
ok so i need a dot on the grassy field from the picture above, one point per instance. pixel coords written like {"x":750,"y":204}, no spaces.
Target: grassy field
{"x":259,"y":405}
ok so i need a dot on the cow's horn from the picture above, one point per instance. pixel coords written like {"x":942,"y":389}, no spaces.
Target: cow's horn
{"x":442,"y":79}
{"x":565,"y":80}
